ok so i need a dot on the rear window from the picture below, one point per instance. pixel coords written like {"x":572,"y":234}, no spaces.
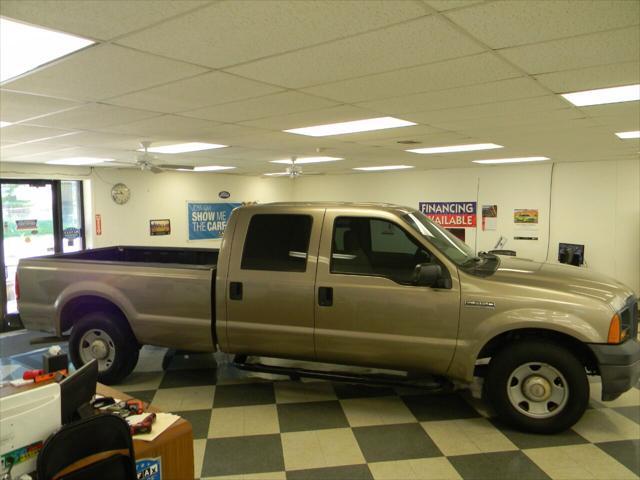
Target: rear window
{"x":277,"y":242}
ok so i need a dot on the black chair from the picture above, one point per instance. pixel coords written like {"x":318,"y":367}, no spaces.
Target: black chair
{"x":100,"y":434}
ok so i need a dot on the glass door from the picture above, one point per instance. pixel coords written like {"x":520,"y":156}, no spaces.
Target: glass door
{"x":39,"y":217}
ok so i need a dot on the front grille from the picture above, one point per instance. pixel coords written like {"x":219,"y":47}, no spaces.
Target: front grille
{"x":629,"y":317}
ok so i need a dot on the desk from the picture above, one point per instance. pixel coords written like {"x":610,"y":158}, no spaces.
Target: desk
{"x":174,"y":445}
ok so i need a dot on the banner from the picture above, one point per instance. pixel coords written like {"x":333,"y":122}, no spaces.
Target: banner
{"x":207,"y":221}
{"x":450,"y":214}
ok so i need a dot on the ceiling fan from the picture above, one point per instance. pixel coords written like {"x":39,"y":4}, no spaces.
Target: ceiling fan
{"x":144,"y":161}
{"x":292,"y":171}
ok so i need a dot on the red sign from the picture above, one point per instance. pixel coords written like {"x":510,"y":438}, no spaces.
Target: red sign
{"x":457,"y":220}
{"x":98,"y":224}
{"x":451,"y":214}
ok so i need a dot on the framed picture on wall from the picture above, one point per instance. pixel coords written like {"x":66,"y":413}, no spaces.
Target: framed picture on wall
{"x":160,"y":227}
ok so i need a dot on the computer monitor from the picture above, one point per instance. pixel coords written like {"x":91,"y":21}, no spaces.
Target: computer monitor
{"x":26,"y":421}
{"x":77,"y":390}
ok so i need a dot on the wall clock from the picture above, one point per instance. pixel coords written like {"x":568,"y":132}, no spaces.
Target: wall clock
{"x":120,"y":193}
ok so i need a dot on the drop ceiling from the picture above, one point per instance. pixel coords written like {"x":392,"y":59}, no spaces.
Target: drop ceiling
{"x":240,"y":72}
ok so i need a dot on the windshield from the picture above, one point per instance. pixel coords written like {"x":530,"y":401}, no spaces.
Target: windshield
{"x":454,"y":248}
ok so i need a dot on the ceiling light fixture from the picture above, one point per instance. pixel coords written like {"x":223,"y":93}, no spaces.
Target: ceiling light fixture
{"x":79,"y":161}
{"x":627,"y":135}
{"x":511,"y":160}
{"x":212,"y":168}
{"x":383,"y":168}
{"x":300,"y":161}
{"x":5,"y":124}
{"x":456,"y":148}
{"x":601,"y":96}
{"x":277,"y":174}
{"x":183,"y":147}
{"x":25,"y":47}
{"x":365,"y":125}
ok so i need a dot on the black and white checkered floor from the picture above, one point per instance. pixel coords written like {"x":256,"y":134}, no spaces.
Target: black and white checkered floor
{"x":251,"y":426}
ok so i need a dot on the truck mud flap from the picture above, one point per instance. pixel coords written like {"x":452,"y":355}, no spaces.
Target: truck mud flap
{"x":430,"y":384}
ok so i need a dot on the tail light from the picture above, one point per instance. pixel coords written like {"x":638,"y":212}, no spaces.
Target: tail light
{"x":17,"y":287}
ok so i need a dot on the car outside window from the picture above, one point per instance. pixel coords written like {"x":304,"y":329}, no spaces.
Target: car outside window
{"x":277,"y":242}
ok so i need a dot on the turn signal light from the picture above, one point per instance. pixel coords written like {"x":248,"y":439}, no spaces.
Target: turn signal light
{"x":615,"y":333}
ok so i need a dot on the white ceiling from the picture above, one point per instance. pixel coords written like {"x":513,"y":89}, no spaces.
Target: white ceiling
{"x":240,"y":72}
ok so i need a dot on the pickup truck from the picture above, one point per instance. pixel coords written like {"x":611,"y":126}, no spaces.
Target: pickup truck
{"x":368,"y":285}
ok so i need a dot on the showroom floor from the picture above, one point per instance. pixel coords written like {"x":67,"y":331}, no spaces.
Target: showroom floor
{"x":250,"y":426}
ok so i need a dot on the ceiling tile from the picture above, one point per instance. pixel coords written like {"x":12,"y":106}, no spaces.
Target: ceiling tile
{"x":457,"y":97}
{"x":444,"y":5}
{"x":100,"y":140}
{"x":101,"y":20}
{"x":16,"y":107}
{"x":11,"y":152}
{"x":510,"y":120}
{"x":93,"y":115}
{"x":269,"y":105}
{"x":341,"y":113}
{"x":228,"y":33}
{"x":417,"y":42}
{"x":514,"y":22}
{"x":590,"y":78}
{"x":512,"y":107}
{"x":208,"y":89}
{"x":166,"y":127}
{"x":577,"y":52}
{"x":481,"y":68}
{"x":28,"y":133}
{"x":625,"y":110}
{"x":100,"y":72}
{"x":434,"y":139}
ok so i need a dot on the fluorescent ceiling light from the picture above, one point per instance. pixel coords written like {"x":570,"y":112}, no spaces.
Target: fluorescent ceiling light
{"x":456,"y":148}
{"x":212,"y":168}
{"x":512,"y":160}
{"x":300,"y":161}
{"x":385,"y":167}
{"x":79,"y":161}
{"x":366,"y":125}
{"x":601,"y":96}
{"x":25,"y":47}
{"x":183,"y":147}
{"x":632,"y":134}
{"x":4,"y":124}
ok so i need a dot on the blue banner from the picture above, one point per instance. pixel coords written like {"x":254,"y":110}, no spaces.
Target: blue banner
{"x":207,"y":221}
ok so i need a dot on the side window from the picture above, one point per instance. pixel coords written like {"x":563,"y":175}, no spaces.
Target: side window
{"x":371,"y":246}
{"x":277,"y":242}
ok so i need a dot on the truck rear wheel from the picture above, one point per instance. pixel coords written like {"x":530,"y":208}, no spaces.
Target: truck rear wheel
{"x":103,"y":337}
{"x":537,"y":387}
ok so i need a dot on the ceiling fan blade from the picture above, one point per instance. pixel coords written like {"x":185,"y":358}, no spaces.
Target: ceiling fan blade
{"x":155,"y":169}
{"x":312,"y":173}
{"x":168,"y":166}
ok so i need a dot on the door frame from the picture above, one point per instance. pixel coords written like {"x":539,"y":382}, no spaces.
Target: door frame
{"x":12,"y":321}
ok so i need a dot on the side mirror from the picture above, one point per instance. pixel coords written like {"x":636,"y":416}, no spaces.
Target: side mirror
{"x":427,"y":274}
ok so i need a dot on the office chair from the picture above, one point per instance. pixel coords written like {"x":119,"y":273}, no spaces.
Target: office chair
{"x":103,"y":444}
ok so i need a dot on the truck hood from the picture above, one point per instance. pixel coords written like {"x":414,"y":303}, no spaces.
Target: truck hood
{"x":564,"y":278}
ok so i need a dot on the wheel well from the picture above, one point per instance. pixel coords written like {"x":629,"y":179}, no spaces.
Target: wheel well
{"x":80,"y":306}
{"x":580,"y":349}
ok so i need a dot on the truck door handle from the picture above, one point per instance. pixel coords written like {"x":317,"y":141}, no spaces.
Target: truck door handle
{"x":325,"y":296}
{"x":235,"y":290}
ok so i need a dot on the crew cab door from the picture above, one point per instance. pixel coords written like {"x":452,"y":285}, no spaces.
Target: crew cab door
{"x":368,"y":311}
{"x":270,"y":283}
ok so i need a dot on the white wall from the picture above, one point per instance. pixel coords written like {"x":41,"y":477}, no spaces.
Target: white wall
{"x":593,"y":203}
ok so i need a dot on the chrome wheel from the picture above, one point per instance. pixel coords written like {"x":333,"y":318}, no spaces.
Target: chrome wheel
{"x":97,"y":344}
{"x":537,"y":390}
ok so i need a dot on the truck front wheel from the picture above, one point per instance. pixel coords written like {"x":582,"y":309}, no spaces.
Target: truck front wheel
{"x":102,"y":337}
{"x":537,"y":387}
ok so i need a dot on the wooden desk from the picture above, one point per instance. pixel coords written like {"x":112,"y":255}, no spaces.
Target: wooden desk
{"x":174,"y":446}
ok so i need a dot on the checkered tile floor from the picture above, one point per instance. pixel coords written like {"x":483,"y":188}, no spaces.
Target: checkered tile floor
{"x":250,"y":426}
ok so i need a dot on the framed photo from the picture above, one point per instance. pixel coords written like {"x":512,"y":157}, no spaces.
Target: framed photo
{"x":160,"y":227}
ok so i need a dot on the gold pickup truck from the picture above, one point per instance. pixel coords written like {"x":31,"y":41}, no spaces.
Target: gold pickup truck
{"x":370,"y":285}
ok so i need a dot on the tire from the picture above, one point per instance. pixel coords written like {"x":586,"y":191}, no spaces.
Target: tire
{"x":107,"y":338}
{"x":537,"y":387}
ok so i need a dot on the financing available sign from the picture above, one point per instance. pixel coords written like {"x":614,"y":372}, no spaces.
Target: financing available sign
{"x":207,"y":221}
{"x":451,"y":214}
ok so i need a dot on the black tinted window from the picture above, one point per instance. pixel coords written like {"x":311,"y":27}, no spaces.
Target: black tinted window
{"x":277,"y":242}
{"x":370,"y":246}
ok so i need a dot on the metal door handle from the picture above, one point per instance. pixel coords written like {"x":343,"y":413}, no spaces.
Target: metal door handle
{"x":325,"y":296}
{"x":235,"y":290}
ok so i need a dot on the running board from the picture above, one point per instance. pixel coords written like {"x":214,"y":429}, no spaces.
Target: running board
{"x":432,"y":384}
{"x":52,"y":339}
